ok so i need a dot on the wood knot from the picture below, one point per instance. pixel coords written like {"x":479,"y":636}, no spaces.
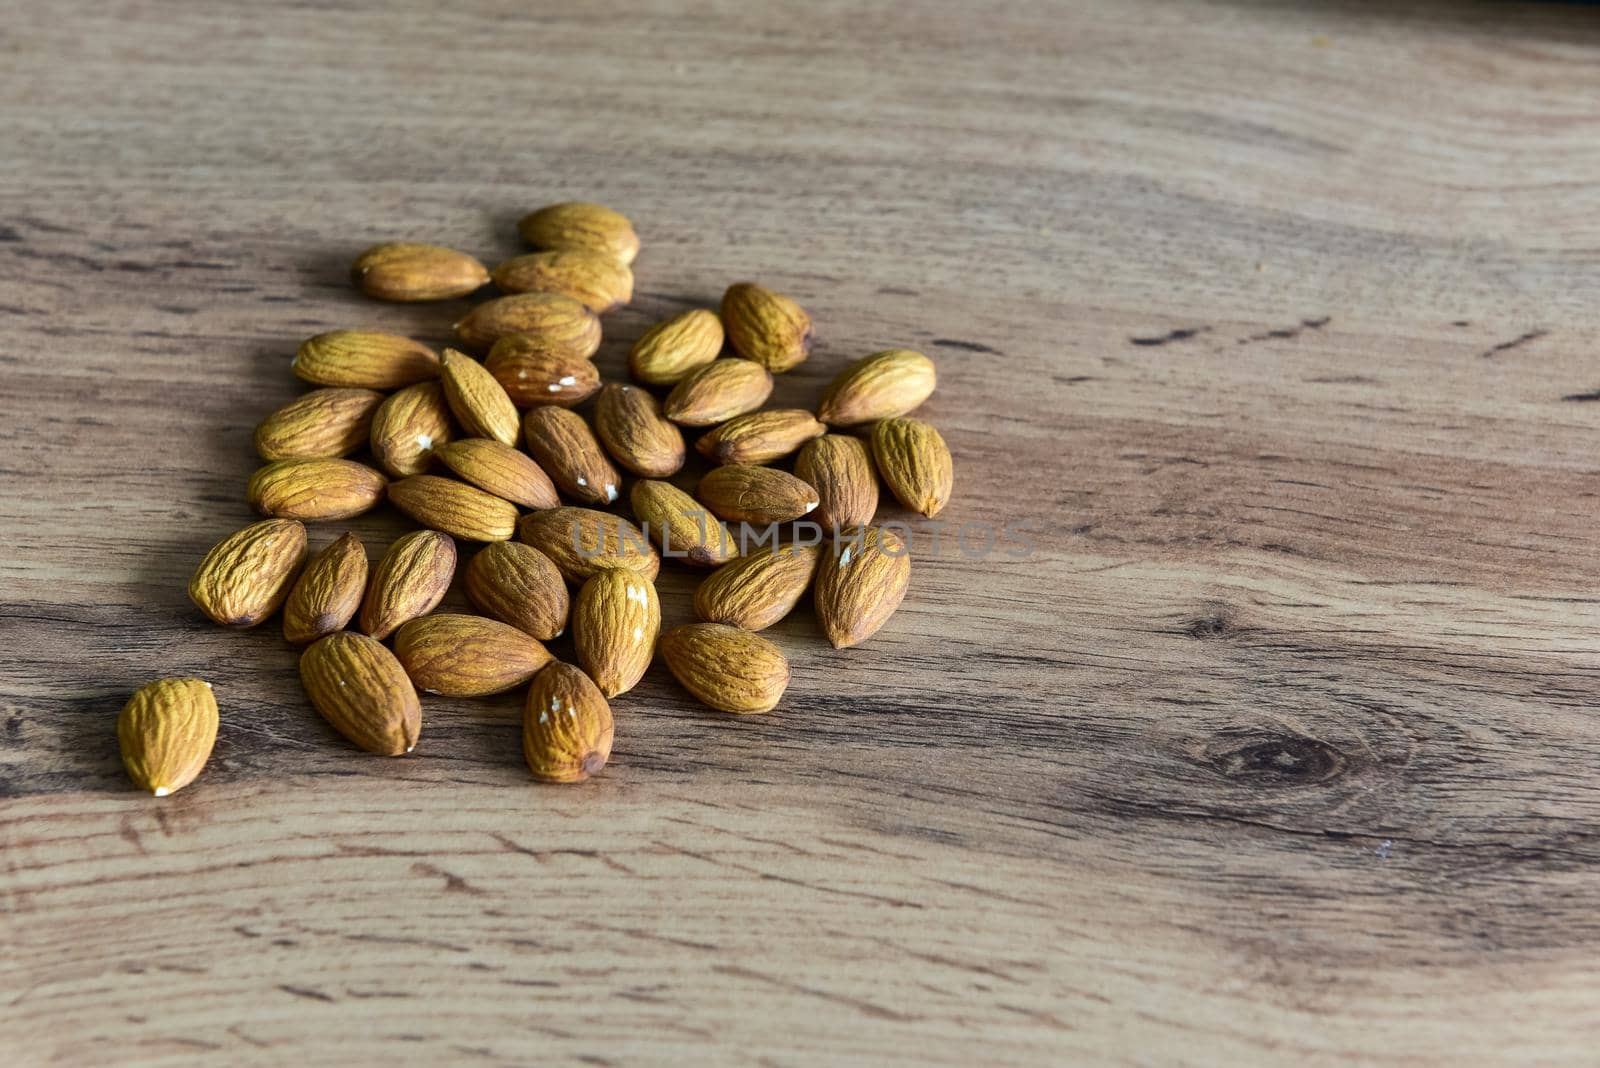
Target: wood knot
{"x":1215,"y":622}
{"x":1286,"y":760}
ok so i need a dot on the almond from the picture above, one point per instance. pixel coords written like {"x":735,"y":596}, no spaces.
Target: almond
{"x":599,"y":281}
{"x":478,"y":402}
{"x":680,"y":525}
{"x":315,"y":489}
{"x":758,"y":590}
{"x":579,"y":225}
{"x":500,"y":470}
{"x":560,"y":323}
{"x":456,"y":508}
{"x":410,"y":581}
{"x":408,"y":427}
{"x":404,"y":271}
{"x":467,"y":656}
{"x":363,"y":692}
{"x":566,"y":726}
{"x":915,"y":463}
{"x":166,"y":731}
{"x":746,"y":493}
{"x":328,"y":593}
{"x":581,"y":541}
{"x":517,"y":584}
{"x":717,"y":392}
{"x":533,"y":375}
{"x":364,"y":359}
{"x":323,"y":424}
{"x":247,"y":575}
{"x":759,"y":437}
{"x":731,"y":670}
{"x":766,"y":327}
{"x":840,"y":469}
{"x":674,"y":347}
{"x":628,"y":421}
{"x":566,"y":448}
{"x":880,"y":386}
{"x":615,"y":621}
{"x":860,"y":583}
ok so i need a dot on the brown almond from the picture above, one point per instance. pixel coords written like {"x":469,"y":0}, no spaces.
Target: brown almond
{"x":746,"y":493}
{"x":328,"y":593}
{"x":599,"y":281}
{"x":566,"y":726}
{"x":247,"y":575}
{"x":363,"y":692}
{"x":680,"y":525}
{"x":674,"y":347}
{"x":410,"y":581}
{"x":881,"y":386}
{"x":315,"y":489}
{"x":467,"y":656}
{"x":615,"y":621}
{"x":364,"y":359}
{"x":501,"y":470}
{"x":560,"y":323}
{"x":456,"y":508}
{"x":628,"y":421}
{"x":860,"y":583}
{"x":766,"y":327}
{"x":405,"y":271}
{"x":517,"y":584}
{"x":717,"y":392}
{"x":581,"y":541}
{"x":477,"y":400}
{"x":915,"y":463}
{"x":409,"y":426}
{"x":166,"y":732}
{"x":758,"y":590}
{"x":565,"y":447}
{"x":576,"y":224}
{"x":323,"y":424}
{"x":731,"y":670}
{"x":760,"y":437}
{"x":841,"y":470}
{"x":533,"y":375}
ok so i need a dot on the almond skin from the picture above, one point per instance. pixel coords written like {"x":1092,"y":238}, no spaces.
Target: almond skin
{"x":560,"y":323}
{"x":166,"y":731}
{"x":599,"y":281}
{"x":766,"y":327}
{"x":533,"y":375}
{"x":328,"y":593}
{"x":404,"y":271}
{"x":247,"y":575}
{"x":615,"y":621}
{"x":478,"y":402}
{"x":674,"y":347}
{"x":456,"y":508}
{"x":881,"y":386}
{"x":467,"y":656}
{"x":745,"y":493}
{"x":410,"y":581}
{"x":629,"y":423}
{"x":760,"y":437}
{"x":517,"y":584}
{"x":408,"y":427}
{"x":315,"y":489}
{"x":324,"y":424}
{"x":576,"y":224}
{"x":915,"y":463}
{"x":731,"y":670}
{"x":717,"y":392}
{"x":758,"y":590}
{"x":841,"y":470}
{"x":681,"y":525}
{"x":501,"y":470}
{"x":581,"y":541}
{"x":565,"y":447}
{"x":364,"y":359}
{"x":363,"y":692}
{"x":860,"y":583}
{"x":566,"y":726}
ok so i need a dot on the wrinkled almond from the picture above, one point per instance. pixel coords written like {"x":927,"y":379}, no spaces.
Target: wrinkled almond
{"x":405,"y":271}
{"x":915,"y":463}
{"x":766,"y":327}
{"x":565,"y":447}
{"x":628,"y":421}
{"x":717,"y":392}
{"x":533,"y":375}
{"x":363,"y":692}
{"x":315,"y":489}
{"x":841,"y":470}
{"x":247,"y":575}
{"x":566,"y":726}
{"x":880,"y":386}
{"x":467,"y":656}
{"x":408,"y":427}
{"x":477,"y":400}
{"x":456,"y":508}
{"x":760,"y":437}
{"x":560,"y":323}
{"x":517,"y":584}
{"x":860,"y":583}
{"x":599,"y":281}
{"x":680,"y":525}
{"x":410,"y":581}
{"x":500,"y":470}
{"x":747,"y":493}
{"x":758,"y":590}
{"x":580,"y":541}
{"x":166,"y":732}
{"x":615,"y":621}
{"x":576,"y":224}
{"x":328,"y":593}
{"x":671,"y":349}
{"x":323,"y":424}
{"x":364,"y":359}
{"x":731,"y":670}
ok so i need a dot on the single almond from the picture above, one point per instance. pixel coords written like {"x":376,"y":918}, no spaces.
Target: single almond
{"x":629,"y":423}
{"x":517,"y":584}
{"x":463,"y":511}
{"x":672,"y":348}
{"x":477,"y":400}
{"x":534,"y":375}
{"x":581,"y":541}
{"x":915,"y":463}
{"x":315,"y":489}
{"x":247,"y":575}
{"x":600,"y":281}
{"x":410,"y":581}
{"x":166,"y":732}
{"x":566,"y":725}
{"x":467,"y":656}
{"x":323,"y":424}
{"x":363,"y":692}
{"x":576,"y":224}
{"x":717,"y":392}
{"x":615,"y":621}
{"x":757,"y":590}
{"x":731,"y":670}
{"x":560,"y":323}
{"x":405,"y":271}
{"x":565,"y":447}
{"x":501,"y":470}
{"x":328,"y":593}
{"x":746,"y":493}
{"x":860,"y":583}
{"x":680,"y":525}
{"x":408,"y":427}
{"x":760,"y":437}
{"x":840,"y":469}
{"x":364,"y":359}
{"x":881,"y":386}
{"x":766,"y":327}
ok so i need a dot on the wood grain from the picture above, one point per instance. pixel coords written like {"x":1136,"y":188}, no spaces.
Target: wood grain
{"x":1276,"y":322}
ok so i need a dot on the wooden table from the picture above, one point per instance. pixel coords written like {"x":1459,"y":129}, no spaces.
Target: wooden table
{"x":1275,"y":320}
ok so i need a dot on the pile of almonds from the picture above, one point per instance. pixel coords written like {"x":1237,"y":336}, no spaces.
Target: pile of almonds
{"x":487,"y":451}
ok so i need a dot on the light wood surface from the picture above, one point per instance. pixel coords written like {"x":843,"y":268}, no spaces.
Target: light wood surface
{"x":1277,"y":322}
